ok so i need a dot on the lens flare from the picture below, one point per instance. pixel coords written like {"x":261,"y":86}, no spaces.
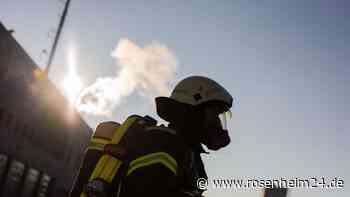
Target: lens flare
{"x":72,"y":84}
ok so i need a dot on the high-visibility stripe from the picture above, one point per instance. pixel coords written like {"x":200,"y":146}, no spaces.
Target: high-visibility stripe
{"x":97,"y":144}
{"x":122,"y":129}
{"x":153,"y":158}
{"x":110,"y":169}
{"x":99,"y":167}
{"x":105,"y":169}
{"x":99,"y":148}
{"x":99,"y":141}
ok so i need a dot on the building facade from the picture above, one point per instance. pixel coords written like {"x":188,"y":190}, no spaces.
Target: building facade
{"x":42,"y":137}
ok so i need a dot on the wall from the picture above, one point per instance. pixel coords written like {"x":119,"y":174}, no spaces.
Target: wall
{"x":37,"y":125}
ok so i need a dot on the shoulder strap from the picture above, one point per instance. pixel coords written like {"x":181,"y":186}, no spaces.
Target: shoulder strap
{"x":113,"y":164}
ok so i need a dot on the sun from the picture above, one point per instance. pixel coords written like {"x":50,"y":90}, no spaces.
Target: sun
{"x":72,"y":87}
{"x":72,"y":84}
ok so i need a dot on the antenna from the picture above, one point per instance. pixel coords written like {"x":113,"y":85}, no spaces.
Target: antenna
{"x":57,"y":37}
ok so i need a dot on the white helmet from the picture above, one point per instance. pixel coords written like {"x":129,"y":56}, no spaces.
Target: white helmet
{"x":194,"y":90}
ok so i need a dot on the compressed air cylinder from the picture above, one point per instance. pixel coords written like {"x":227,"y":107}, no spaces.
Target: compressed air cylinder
{"x":102,"y":135}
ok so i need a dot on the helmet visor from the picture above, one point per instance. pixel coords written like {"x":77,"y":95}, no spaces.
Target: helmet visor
{"x":224,"y":118}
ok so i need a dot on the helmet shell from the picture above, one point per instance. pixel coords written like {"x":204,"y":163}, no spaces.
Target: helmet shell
{"x":189,"y":92}
{"x":196,"y":90}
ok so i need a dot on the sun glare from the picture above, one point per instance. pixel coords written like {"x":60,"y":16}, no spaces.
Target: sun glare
{"x":72,"y":84}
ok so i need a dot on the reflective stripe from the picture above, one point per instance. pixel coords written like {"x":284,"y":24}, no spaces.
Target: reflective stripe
{"x":106,"y":168}
{"x":97,"y":144}
{"x":122,"y":129}
{"x":99,"y":141}
{"x":99,"y":167}
{"x":110,"y":169}
{"x":99,"y":148}
{"x":94,"y":146}
{"x":153,"y":158}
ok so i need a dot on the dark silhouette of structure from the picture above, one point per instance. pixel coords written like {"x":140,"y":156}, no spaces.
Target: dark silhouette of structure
{"x":42,"y":138}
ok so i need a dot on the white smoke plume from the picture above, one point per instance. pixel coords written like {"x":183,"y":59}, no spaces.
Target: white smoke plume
{"x":145,"y":70}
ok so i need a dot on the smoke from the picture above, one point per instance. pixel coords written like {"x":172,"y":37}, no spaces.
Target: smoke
{"x":145,"y":70}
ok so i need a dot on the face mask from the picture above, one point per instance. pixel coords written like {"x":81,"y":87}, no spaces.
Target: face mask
{"x":215,"y":129}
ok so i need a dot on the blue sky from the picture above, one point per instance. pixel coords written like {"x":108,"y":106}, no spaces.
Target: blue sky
{"x":285,"y":61}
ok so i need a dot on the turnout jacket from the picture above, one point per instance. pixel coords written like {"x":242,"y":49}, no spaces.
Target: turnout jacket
{"x":162,"y":166}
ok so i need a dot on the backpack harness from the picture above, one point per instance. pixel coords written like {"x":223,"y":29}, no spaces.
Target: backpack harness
{"x":112,"y":166}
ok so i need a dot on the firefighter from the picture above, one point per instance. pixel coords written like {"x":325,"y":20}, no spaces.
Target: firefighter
{"x":165,"y":160}
{"x":193,"y":112}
